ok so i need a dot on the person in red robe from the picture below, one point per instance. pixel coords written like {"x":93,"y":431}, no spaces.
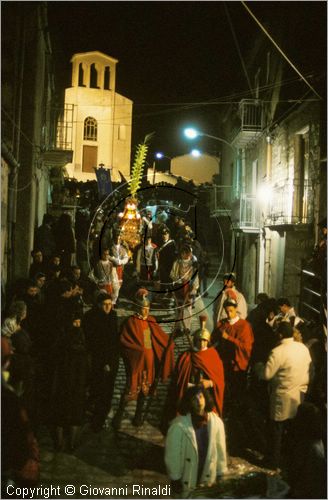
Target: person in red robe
{"x":234,"y":339}
{"x":200,"y":366}
{"x":143,"y":345}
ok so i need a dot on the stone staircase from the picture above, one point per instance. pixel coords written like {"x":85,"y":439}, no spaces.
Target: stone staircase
{"x":165,"y":316}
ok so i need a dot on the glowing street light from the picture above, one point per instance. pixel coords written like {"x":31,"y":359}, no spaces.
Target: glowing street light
{"x":192,"y":133}
{"x":159,"y":155}
{"x":195,"y":153}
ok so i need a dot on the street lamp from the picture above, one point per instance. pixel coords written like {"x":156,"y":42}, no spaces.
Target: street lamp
{"x":195,"y":153}
{"x":192,"y":133}
{"x":159,"y":156}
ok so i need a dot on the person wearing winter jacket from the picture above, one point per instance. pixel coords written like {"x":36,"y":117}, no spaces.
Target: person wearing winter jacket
{"x":195,"y":448}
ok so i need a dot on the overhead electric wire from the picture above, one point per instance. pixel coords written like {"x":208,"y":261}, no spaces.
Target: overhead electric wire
{"x":20,"y":130}
{"x":288,"y":111}
{"x":212,"y":102}
{"x":279,"y":49}
{"x":237,"y":47}
{"x":205,"y":103}
{"x":267,"y":86}
{"x":227,"y":97}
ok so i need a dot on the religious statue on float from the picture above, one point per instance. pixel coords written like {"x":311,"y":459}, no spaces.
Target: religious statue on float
{"x":130,"y":218}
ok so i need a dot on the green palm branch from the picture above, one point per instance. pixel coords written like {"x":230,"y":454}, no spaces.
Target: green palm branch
{"x":138,"y":165}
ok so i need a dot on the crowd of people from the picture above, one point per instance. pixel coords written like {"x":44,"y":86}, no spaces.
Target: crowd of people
{"x":260,"y":372}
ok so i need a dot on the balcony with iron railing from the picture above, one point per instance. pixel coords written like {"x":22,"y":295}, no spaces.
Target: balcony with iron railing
{"x":251,"y":123}
{"x":59,"y":149}
{"x":246,"y":213}
{"x":290,"y":204}
{"x":220,"y":200}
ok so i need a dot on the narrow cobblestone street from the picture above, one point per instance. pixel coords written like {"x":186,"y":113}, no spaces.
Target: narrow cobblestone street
{"x":133,"y":457}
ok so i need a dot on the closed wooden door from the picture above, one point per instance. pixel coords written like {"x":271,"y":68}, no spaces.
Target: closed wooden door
{"x":89,"y":158}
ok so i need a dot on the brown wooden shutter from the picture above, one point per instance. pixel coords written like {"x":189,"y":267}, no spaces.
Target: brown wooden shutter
{"x":89,"y":158}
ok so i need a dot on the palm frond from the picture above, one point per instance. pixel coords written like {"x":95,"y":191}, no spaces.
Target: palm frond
{"x":138,"y":165}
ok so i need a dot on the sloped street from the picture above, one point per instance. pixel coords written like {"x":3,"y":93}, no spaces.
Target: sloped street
{"x":132,"y":459}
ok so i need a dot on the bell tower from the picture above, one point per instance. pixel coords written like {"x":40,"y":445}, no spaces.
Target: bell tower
{"x":101,"y":118}
{"x":93,"y":70}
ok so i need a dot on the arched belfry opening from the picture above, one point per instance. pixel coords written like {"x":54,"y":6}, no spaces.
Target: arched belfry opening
{"x":93,"y":77}
{"x":81,"y":76}
{"x":107,"y":78}
{"x":94,"y":70}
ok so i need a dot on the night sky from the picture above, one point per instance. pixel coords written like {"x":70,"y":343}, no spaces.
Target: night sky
{"x":175,"y":53}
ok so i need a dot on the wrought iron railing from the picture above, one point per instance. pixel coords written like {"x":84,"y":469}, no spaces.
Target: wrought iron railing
{"x":64,"y":127}
{"x":290,"y":204}
{"x":246,"y":213}
{"x":251,"y":114}
{"x":311,"y":298}
{"x":220,"y":199}
{"x":249,"y":122}
{"x":249,"y":211}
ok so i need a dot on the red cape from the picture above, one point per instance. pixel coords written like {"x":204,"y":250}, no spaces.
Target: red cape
{"x":210,"y":363}
{"x":132,"y":344}
{"x":240,"y":338}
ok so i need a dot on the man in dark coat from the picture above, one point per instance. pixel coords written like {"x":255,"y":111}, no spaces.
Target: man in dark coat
{"x":166,"y":257}
{"x":69,"y":383}
{"x":56,"y":315}
{"x":30,"y":294}
{"x":38,"y":265}
{"x":143,"y":345}
{"x":44,"y":238}
{"x":101,"y":331}
{"x":64,"y":238}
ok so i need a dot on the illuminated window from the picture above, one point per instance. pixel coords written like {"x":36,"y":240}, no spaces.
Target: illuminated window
{"x":90,"y":129}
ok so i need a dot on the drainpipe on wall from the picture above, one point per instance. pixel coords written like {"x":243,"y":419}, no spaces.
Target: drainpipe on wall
{"x":269,"y":160}
{"x":114,"y":119}
{"x":265,"y":240}
{"x":267,"y":267}
{"x":12,"y":157}
{"x":243,"y":170}
{"x":261,"y":263}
